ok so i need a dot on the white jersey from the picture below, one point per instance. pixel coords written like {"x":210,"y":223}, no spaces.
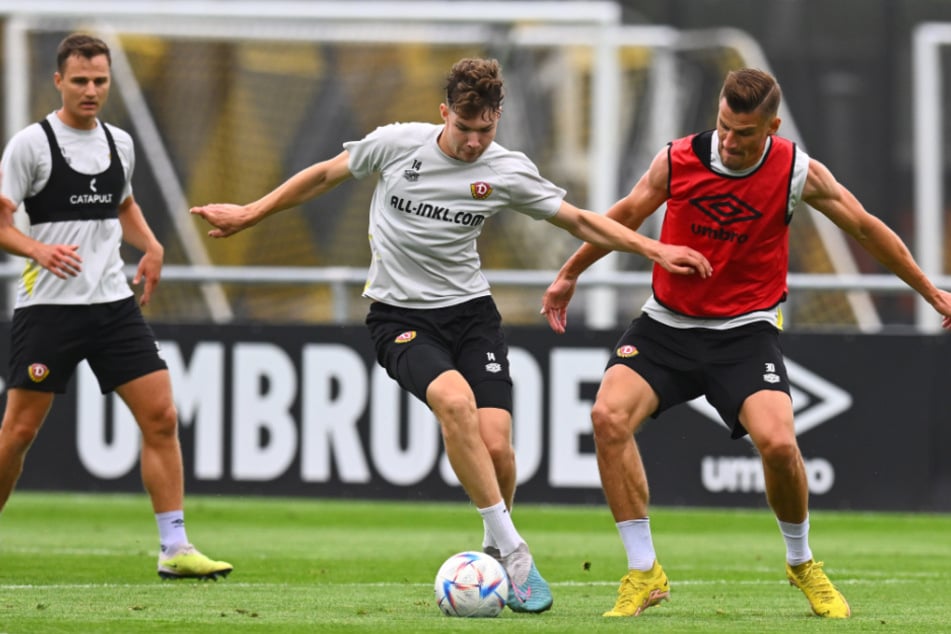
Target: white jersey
{"x":27,"y":164}
{"x":428,"y":209}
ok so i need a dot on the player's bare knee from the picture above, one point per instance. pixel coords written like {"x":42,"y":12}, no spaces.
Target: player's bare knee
{"x":500,"y":449}
{"x":160,"y":424}
{"x":780,"y":453}
{"x":18,"y":437}
{"x":453,"y":407}
{"x":610,"y":425}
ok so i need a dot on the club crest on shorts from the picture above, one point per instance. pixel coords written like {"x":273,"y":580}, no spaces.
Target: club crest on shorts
{"x":626,"y":352}
{"x":405,"y":337}
{"x":480,"y":190}
{"x":38,"y":372}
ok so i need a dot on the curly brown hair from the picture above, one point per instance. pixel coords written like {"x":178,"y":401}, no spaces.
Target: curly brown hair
{"x":474,"y":87}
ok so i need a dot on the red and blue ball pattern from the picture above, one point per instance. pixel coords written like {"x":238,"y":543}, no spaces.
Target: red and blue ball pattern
{"x":471,"y":584}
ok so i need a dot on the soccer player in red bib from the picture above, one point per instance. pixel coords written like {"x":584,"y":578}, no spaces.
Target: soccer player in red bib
{"x":730,"y":194}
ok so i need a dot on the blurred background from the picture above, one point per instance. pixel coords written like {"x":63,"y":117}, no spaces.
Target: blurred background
{"x":276,"y":384}
{"x":226,"y":99}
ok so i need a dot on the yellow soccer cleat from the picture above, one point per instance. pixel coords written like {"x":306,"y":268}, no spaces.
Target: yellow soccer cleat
{"x":640,"y":590}
{"x":825,"y":599}
{"x":188,"y":563}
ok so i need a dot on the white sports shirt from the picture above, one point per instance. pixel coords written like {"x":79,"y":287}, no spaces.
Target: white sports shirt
{"x":26,"y":168}
{"x":428,"y":209}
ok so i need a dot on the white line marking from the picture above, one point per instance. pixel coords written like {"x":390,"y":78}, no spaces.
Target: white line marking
{"x":389,"y":584}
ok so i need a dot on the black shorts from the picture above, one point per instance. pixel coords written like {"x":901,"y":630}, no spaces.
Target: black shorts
{"x":417,"y":345}
{"x":48,"y":342}
{"x":726,"y":366}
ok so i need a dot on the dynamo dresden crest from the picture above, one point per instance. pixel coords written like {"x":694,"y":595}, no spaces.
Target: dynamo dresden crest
{"x":480,"y":190}
{"x":405,"y":337}
{"x":626,"y":352}
{"x":38,"y":372}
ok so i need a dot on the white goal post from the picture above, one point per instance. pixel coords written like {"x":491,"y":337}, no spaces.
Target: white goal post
{"x":595,"y":26}
{"x":929,"y":103}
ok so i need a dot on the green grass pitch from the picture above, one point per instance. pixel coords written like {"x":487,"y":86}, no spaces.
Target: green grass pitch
{"x":86,"y":563}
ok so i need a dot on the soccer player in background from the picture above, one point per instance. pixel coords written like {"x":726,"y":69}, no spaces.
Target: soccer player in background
{"x":719,"y":336}
{"x":432,"y":319}
{"x":73,"y":173}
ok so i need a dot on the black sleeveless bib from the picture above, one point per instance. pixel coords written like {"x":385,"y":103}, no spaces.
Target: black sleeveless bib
{"x":69,"y":195}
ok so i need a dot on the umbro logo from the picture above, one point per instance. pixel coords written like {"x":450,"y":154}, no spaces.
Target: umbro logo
{"x":726,"y":209}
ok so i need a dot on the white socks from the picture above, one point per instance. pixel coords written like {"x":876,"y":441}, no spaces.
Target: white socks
{"x":797,"y":541}
{"x":171,"y":527}
{"x":636,"y":536}
{"x":500,"y":528}
{"x":487,"y":540}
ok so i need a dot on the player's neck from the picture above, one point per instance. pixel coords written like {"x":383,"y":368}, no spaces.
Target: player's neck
{"x":79,"y":123}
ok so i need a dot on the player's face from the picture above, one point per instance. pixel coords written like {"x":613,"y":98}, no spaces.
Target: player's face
{"x":467,"y":139}
{"x":84,"y":86}
{"x":742,"y":136}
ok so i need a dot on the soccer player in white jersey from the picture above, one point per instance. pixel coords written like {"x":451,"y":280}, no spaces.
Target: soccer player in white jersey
{"x":73,"y":173}
{"x":432,"y":318}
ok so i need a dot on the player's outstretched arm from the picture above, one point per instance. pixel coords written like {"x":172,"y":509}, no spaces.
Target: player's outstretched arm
{"x":616,"y":230}
{"x":830,"y":197}
{"x":228,"y":219}
{"x":608,"y":234}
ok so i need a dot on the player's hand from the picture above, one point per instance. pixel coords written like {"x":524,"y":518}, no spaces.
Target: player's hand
{"x":683,"y":261}
{"x":942,"y":304}
{"x":555,"y":303}
{"x":62,"y":260}
{"x":226,"y":218}
{"x":150,"y":271}
{"x":7,"y":209}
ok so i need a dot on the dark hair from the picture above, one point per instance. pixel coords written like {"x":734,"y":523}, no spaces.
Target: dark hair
{"x":81,"y":44}
{"x":474,"y":87}
{"x":747,"y":90}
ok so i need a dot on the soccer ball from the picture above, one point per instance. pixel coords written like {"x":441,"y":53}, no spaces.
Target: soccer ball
{"x":471,"y":584}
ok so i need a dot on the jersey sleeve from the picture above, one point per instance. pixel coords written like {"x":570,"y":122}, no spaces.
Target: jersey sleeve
{"x":26,"y":167}
{"x":798,"y":181}
{"x":371,"y":153}
{"x":531,"y":193}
